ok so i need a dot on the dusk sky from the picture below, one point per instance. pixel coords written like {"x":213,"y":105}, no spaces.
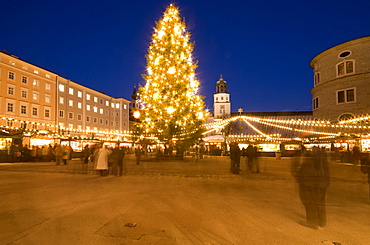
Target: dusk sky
{"x":262,"y":48}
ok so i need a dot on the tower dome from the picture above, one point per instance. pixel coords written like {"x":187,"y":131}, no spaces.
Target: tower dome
{"x":221,"y":86}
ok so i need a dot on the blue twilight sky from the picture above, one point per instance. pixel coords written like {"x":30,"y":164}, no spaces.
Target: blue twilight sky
{"x":262,"y":48}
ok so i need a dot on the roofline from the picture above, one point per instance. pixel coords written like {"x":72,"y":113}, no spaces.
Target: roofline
{"x":347,"y":43}
{"x":16,"y":57}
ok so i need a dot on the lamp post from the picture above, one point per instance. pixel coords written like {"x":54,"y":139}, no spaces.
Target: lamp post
{"x":240,"y":110}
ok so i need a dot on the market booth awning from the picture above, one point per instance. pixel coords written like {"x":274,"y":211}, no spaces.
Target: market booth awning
{"x":215,"y":139}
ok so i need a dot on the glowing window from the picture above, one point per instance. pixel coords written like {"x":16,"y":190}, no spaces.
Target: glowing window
{"x":61,"y":87}
{"x":71,"y":90}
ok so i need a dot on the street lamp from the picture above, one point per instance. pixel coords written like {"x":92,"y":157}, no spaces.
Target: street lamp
{"x":240,"y":110}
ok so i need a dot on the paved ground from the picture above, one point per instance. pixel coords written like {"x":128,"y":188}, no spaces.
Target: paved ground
{"x":178,"y":202}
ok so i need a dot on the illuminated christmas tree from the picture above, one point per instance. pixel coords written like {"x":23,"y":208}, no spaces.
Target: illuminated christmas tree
{"x":171,"y":107}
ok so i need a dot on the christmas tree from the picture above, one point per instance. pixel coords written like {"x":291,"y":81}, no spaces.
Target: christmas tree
{"x":171,"y":107}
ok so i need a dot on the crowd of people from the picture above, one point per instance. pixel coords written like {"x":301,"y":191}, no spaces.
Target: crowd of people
{"x":106,"y":160}
{"x":45,"y":153}
{"x":251,"y":159}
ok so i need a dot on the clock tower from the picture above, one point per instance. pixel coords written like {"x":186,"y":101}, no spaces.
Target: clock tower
{"x":221,"y":100}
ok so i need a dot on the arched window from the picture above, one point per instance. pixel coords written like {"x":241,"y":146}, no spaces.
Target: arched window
{"x":345,"y":117}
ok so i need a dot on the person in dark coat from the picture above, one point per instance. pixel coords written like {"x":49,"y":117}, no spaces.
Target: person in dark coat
{"x":86,"y":153}
{"x":11,"y":151}
{"x":117,"y":166}
{"x":312,"y":175}
{"x":250,"y":155}
{"x":235,"y":158}
{"x":365,"y":168}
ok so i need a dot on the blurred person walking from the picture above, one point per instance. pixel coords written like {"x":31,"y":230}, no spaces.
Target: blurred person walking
{"x":365,"y":168}
{"x":65,"y":154}
{"x":235,"y":158}
{"x":311,"y":172}
{"x":101,"y":160}
{"x":58,"y":152}
{"x":117,"y":165}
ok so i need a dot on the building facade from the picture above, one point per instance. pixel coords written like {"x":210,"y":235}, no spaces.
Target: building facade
{"x":38,"y":103}
{"x":342,"y":81}
{"x":221,"y":100}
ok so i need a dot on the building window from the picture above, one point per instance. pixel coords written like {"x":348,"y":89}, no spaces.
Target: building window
{"x":347,"y":95}
{"x":34,"y":111}
{"x":87,"y":128}
{"x":61,"y":100}
{"x":70,"y":115}
{"x":117,"y":105}
{"x":345,"y":67}
{"x":88,"y":107}
{"x":106,"y":122}
{"x":101,"y":121}
{"x":11,"y":90}
{"x":35,"y":96}
{"x":106,"y":103}
{"x":88,"y":97}
{"x":315,"y":103}
{"x":96,"y":99}
{"x":61,"y":87}
{"x":344,"y":54}
{"x":35,"y":83}
{"x":316,"y":78}
{"x":95,"y":120}
{"x":47,"y":99}
{"x":101,"y":101}
{"x":47,"y":75}
{"x":71,"y":90}
{"x":70,"y":102}
{"x":88,"y":119}
{"x":47,"y":86}
{"x":61,"y":113}
{"x":95,"y":109}
{"x":24,"y":93}
{"x":23,"y":109}
{"x":11,"y":75}
{"x":79,"y":117}
{"x":79,"y":105}
{"x":125,"y":106}
{"x":101,"y":111}
{"x":47,"y":113}
{"x":79,"y":94}
{"x":24,"y":79}
{"x":10,"y":107}
{"x":36,"y":72}
{"x":70,"y":126}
